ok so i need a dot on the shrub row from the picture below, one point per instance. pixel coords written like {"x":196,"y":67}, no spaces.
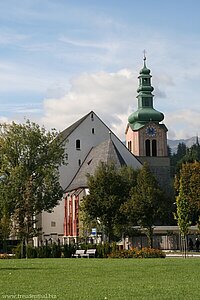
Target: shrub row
{"x":66,"y":251}
{"x":102,"y":251}
{"x":138,"y":253}
{"x":47,"y":251}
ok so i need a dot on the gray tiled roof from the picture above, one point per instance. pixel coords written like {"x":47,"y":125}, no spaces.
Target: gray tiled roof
{"x":105,"y":152}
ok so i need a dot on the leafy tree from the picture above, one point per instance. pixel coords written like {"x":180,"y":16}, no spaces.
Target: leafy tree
{"x":29,"y":161}
{"x":184,"y":155}
{"x":146,"y":204}
{"x":5,"y":212}
{"x":193,"y":154}
{"x":176,"y":158}
{"x":169,"y":151}
{"x":183,"y":215}
{"x":188,"y":182}
{"x":109,"y":189}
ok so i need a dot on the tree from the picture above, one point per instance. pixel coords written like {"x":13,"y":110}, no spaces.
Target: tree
{"x":29,"y":163}
{"x":146,"y":204}
{"x":6,"y":207}
{"x":177,"y":158}
{"x":109,"y":188}
{"x":188,"y":183}
{"x":183,"y":216}
{"x":184,"y":155}
{"x":193,"y":154}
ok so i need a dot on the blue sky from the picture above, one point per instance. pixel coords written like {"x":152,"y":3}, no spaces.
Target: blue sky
{"x":59,"y":59}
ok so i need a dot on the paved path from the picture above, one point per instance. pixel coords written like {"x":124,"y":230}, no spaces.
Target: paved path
{"x":182,"y":255}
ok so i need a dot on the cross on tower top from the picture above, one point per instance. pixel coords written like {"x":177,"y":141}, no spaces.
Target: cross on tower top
{"x":144,"y":54}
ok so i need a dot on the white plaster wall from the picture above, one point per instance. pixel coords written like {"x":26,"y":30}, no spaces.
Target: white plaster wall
{"x":57,"y":216}
{"x":88,"y":140}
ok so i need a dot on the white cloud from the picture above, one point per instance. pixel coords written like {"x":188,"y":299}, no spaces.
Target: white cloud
{"x":108,"y":94}
{"x":183,"y":123}
{"x":113,"y":97}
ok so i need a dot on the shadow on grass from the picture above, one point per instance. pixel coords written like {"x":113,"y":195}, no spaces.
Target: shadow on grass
{"x":16,"y":269}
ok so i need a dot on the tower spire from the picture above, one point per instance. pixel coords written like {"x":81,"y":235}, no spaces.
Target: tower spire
{"x":145,"y":112}
{"x":144,"y":58}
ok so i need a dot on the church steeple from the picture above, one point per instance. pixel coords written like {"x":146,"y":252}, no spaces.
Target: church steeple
{"x":145,"y":111}
{"x":146,"y":137}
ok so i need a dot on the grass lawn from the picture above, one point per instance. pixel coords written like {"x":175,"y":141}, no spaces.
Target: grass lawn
{"x":170,"y":278}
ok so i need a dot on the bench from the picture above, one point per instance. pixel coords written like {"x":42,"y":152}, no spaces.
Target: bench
{"x":89,"y":253}
{"x":78,"y":253}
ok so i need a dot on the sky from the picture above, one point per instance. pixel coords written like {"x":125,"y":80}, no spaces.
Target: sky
{"x":60,"y":59}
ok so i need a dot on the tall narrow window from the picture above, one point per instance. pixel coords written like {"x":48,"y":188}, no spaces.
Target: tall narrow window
{"x":78,"y":144}
{"x":92,"y":130}
{"x":79,"y":162}
{"x":92,"y":116}
{"x":147,"y":147}
{"x":154,"y":148}
{"x":129,"y":146}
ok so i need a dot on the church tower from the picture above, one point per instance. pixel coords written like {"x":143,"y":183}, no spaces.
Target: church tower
{"x":146,"y":136}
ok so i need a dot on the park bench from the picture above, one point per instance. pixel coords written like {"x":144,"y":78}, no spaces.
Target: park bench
{"x":78,"y":253}
{"x":89,"y":253}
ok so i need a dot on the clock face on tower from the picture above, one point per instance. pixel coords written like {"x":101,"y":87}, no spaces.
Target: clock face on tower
{"x":151,"y":131}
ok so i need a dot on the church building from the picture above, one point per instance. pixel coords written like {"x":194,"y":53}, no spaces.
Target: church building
{"x":89,"y":141}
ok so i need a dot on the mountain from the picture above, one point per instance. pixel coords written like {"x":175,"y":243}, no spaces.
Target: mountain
{"x":173,"y":144}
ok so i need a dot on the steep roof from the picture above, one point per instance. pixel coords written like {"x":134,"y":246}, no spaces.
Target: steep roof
{"x":105,"y":152}
{"x":66,"y":132}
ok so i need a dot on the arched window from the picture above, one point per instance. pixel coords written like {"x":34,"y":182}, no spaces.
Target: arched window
{"x":78,"y":144}
{"x":147,"y":147}
{"x":154,"y":148}
{"x":129,"y":146}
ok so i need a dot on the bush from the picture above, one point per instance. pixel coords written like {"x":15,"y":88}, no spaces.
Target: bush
{"x":55,"y":251}
{"x":38,"y":252}
{"x":103,"y":250}
{"x":31,"y":252}
{"x":138,"y":253}
{"x":17,"y":251}
{"x":43,"y":251}
{"x":68,"y":250}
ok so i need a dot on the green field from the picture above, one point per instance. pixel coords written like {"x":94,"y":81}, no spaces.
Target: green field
{"x":170,"y":278}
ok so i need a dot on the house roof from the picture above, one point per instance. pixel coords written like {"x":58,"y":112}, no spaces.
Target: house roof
{"x":105,"y":152}
{"x":66,"y":132}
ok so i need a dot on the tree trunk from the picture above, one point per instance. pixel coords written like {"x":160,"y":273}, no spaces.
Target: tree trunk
{"x":149,"y":233}
{"x":22,"y":248}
